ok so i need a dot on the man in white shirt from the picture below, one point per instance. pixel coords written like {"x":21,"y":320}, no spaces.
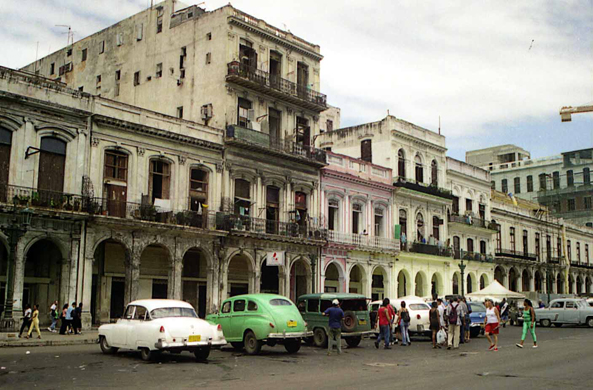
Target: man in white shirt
{"x":26,"y":319}
{"x":453,"y":313}
{"x":53,"y":316}
{"x":441,"y":309}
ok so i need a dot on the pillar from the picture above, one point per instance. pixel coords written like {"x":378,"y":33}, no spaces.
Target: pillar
{"x":175,"y":284}
{"x":132,"y":277}
{"x":87,"y":290}
{"x":18,"y":283}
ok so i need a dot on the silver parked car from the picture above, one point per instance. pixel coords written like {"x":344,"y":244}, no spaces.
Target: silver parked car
{"x":566,"y":311}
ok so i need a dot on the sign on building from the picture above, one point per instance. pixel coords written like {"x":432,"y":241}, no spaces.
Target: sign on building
{"x":275,"y":258}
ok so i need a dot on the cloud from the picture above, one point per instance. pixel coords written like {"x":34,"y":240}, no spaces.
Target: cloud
{"x":467,"y":62}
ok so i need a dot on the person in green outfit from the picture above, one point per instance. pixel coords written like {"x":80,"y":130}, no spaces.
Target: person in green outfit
{"x":528,"y":323}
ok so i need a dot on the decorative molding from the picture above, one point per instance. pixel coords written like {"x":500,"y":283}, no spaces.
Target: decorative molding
{"x":140,"y":151}
{"x":219,"y":167}
{"x":182,"y":160}
{"x":94,"y":142}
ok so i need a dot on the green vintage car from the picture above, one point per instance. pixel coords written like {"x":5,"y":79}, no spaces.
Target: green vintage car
{"x":249,"y":321}
{"x":356,"y":324}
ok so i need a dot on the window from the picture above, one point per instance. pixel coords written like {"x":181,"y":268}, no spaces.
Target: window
{"x":366,"y":151}
{"x":209,"y":36}
{"x":525,"y":242}
{"x":313,"y":305}
{"x":208,"y":58}
{"x":517,"y":182}
{"x":493,"y":185}
{"x":245,"y":113}
{"x":83,"y":59}
{"x":455,"y":206}
{"x":5,"y":148}
{"x":117,"y":79}
{"x":419,"y":228}
{"x":129,"y":312}
{"x":182,"y":58}
{"x":505,"y":186}
{"x":119,"y":39}
{"x":379,"y":229}
{"x":81,"y":89}
{"x":239,"y":305}
{"x":136,"y":78}
{"x":403,"y":221}
{"x":159,"y":180}
{"x":587,"y":253}
{"x":198,"y":188}
{"x":571,"y":204}
{"x":579,"y":252}
{"x":434,"y":172}
{"x":98,"y":80}
{"x":329,"y":125}
{"x":569,"y":178}
{"x":333,"y":212}
{"x":69,"y":52}
{"x":548,"y":246}
{"x":159,"y":24}
{"x":537,"y":246}
{"x":139,"y":30}
{"x":140,"y":313}
{"x":180,"y":112}
{"x":159,"y":70}
{"x":482,"y":211}
{"x":586,"y":176}
{"x":52,"y":68}
{"x":102,"y":47}
{"x":401,"y":163}
{"x":468,"y":205}
{"x":419,"y":169}
{"x":512,"y":235}
{"x":542,"y":182}
{"x":470,"y":245}
{"x":302,"y":79}
{"x":356,"y":218}
{"x":483,"y":247}
{"x":272,"y":209}
{"x":303,"y":131}
{"x":559,"y":246}
{"x":568,"y":250}
{"x":251,"y":306}
{"x":226,"y":307}
{"x":529,"y":183}
{"x":436,"y":231}
{"x":52,"y":164}
{"x":116,"y":165}
{"x":242,"y":197}
{"x":556,"y":180}
{"x":557,"y":305}
{"x":587,"y":201}
{"x":280,"y":302}
{"x":571,"y":305}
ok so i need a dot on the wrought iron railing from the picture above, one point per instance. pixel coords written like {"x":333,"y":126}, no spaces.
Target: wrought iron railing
{"x":515,"y":254}
{"x":277,"y":83}
{"x":39,"y":198}
{"x":476,"y":256}
{"x":363,"y":241}
{"x":424,"y":188}
{"x":471,"y":221}
{"x":435,"y":250}
{"x":246,"y":224}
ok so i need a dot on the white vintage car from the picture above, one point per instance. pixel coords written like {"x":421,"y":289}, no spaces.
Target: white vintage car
{"x":156,"y":325}
{"x":419,"y":314}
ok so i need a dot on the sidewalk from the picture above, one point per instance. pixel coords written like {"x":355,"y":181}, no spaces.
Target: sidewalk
{"x":48,"y":339}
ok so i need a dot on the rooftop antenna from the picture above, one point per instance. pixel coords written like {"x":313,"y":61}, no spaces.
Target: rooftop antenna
{"x":70,"y":33}
{"x":36,"y":56}
{"x":439,"y":125}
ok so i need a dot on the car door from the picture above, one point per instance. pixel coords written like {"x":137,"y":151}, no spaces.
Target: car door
{"x":137,"y":330}
{"x":557,"y":311}
{"x":224,"y":318}
{"x":571,"y":313}
{"x":121,"y":330}
{"x":238,"y":318}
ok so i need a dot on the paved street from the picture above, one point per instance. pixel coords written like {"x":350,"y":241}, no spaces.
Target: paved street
{"x":562,"y":361}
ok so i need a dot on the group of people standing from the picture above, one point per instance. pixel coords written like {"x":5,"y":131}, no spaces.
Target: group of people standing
{"x":452,"y":320}
{"x":70,"y":317}
{"x":387,"y":319}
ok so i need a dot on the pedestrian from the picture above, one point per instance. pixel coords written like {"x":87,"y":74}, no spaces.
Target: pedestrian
{"x":26,"y":319}
{"x":504,"y":312}
{"x":528,"y":323}
{"x":70,"y":318}
{"x":468,"y":321}
{"x":404,"y":324}
{"x":63,"y":320}
{"x":454,"y":319}
{"x":384,"y":321}
{"x":391,"y":322}
{"x":541,"y":304}
{"x":336,"y":316}
{"x":34,"y":322}
{"x":462,"y":316}
{"x":442,"y":307}
{"x":492,"y":324}
{"x":53,"y":315}
{"x":78,"y":319}
{"x":435,"y":323}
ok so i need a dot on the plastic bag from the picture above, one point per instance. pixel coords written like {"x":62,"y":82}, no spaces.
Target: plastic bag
{"x":441,"y":337}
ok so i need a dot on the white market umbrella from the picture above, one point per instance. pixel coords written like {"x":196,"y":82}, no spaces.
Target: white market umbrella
{"x":496,"y":291}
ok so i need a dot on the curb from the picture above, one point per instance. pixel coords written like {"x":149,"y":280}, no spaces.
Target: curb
{"x":47,"y":343}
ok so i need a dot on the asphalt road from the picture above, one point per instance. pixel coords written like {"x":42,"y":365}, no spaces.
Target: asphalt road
{"x":562,"y":361}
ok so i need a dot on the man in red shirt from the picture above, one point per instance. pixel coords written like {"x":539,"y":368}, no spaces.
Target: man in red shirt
{"x":384,"y":322}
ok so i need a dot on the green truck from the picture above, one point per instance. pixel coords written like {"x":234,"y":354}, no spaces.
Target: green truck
{"x":356,"y":324}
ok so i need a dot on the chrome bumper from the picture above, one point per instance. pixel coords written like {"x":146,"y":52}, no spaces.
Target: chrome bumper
{"x":186,"y":345}
{"x":289,"y":335}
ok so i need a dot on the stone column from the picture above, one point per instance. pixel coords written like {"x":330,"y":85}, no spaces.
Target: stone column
{"x":532,"y":282}
{"x":132,"y":277}
{"x":175,"y":284}
{"x":87,"y":290}
{"x":18,"y":283}
{"x":76,"y":267}
{"x":65,"y":280}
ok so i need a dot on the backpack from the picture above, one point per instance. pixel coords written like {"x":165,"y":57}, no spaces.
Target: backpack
{"x":453,"y":315}
{"x":406,"y":317}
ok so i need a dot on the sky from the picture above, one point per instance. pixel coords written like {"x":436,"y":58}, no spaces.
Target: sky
{"x":495,"y":72}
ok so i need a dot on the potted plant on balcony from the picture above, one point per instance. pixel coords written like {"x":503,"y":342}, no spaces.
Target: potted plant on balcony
{"x":35,"y":200}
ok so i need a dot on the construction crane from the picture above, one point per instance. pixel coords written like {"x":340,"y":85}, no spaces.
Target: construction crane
{"x":566,"y":112}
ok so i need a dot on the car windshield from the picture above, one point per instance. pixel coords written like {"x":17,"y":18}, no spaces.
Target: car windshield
{"x":353,"y":304}
{"x":167,"y":312}
{"x":280,"y":302}
{"x":478,"y":308}
{"x":418,"y":306}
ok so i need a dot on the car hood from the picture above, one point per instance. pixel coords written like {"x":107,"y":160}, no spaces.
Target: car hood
{"x":477,"y":316}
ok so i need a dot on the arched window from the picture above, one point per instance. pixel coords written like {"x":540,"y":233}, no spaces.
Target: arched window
{"x":401,"y":163}
{"x":470,"y":245}
{"x":434,"y":173}
{"x":419,"y":169}
{"x":52,"y":163}
{"x":5,"y":146}
{"x":420,"y":228}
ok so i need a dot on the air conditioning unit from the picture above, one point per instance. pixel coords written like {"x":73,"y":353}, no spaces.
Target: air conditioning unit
{"x":206,"y":111}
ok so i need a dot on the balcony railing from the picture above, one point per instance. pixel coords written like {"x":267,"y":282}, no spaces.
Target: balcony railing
{"x":580,"y":264}
{"x":471,"y":221}
{"x":264,"y":140}
{"x":151,"y":213}
{"x":424,"y":188}
{"x":515,"y":254}
{"x":277,"y":86}
{"x":246,"y":224}
{"x":476,"y":256}
{"x":435,"y":250}
{"x":32,"y":197}
{"x":363,"y":241}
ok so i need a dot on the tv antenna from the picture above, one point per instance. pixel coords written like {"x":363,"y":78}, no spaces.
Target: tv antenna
{"x":70,"y":33}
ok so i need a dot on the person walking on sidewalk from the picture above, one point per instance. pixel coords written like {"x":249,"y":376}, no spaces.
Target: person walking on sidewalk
{"x":404,"y":324}
{"x":468,"y":321}
{"x":454,"y":319}
{"x":78,"y":319}
{"x":64,"y":321}
{"x":492,"y":324}
{"x":462,"y":312}
{"x":528,"y":323}
{"x":26,"y":319}
{"x":336,"y":316}
{"x":435,"y":323}
{"x":70,"y":313}
{"x":53,"y":315}
{"x":34,"y":322}
{"x":384,"y":321}
{"x":504,"y":312}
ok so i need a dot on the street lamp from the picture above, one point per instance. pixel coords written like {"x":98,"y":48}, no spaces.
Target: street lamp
{"x":21,"y":219}
{"x":462,"y":269}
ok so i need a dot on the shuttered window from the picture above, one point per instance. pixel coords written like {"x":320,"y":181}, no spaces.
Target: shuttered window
{"x":160,"y":179}
{"x":366,"y":151}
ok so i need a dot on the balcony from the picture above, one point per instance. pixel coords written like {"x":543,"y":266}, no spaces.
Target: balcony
{"x":364,"y":242}
{"x":257,"y":139}
{"x":514,"y":254}
{"x":239,"y":224}
{"x":473,"y":222}
{"x":424,"y":188}
{"x":475,"y":256}
{"x":427,"y":249}
{"x":42,"y":199}
{"x":151,"y":213}
{"x":580,"y":264}
{"x":275,"y":86}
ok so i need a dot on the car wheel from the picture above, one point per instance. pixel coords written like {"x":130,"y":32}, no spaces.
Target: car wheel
{"x":320,"y":338}
{"x":202,"y":354}
{"x":105,"y":347}
{"x":474,"y":332}
{"x":353,"y":341}
{"x":252,"y":344}
{"x":546,"y":323}
{"x":292,"y":346}
{"x":590,"y":322}
{"x":237,"y":346}
{"x":148,"y":355}
{"x":558,"y":325}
